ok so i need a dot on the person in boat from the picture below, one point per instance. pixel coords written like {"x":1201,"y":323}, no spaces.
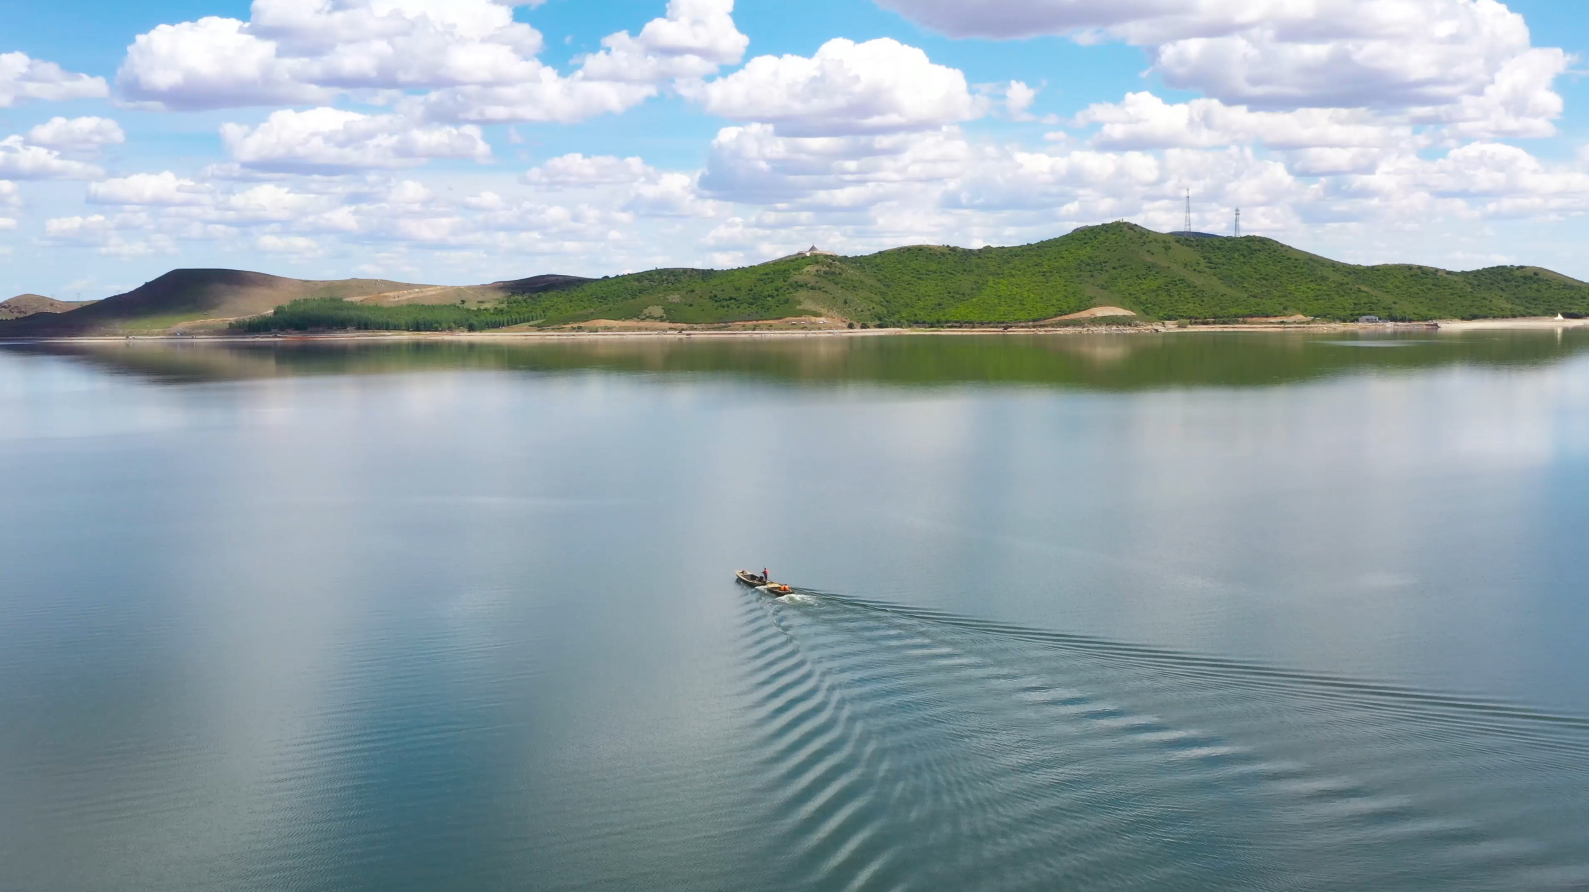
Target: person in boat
{"x":766,"y":577}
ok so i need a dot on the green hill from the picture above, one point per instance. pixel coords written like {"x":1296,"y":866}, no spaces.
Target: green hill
{"x":1155,"y":275}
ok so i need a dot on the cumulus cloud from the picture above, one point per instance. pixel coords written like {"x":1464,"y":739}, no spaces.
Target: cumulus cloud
{"x":548,"y":97}
{"x":109,"y":235}
{"x":22,"y":161}
{"x":641,"y":188}
{"x":306,"y":51}
{"x":693,"y":40}
{"x":485,"y":201}
{"x":77,"y":227}
{"x":158,"y":189}
{"x":23,"y":78}
{"x":1398,"y":55}
{"x":670,"y":195}
{"x":1504,"y":181}
{"x":471,"y":59}
{"x":272,"y":203}
{"x":1143,"y":120}
{"x":878,"y":86}
{"x":576,"y":170}
{"x":288,"y":244}
{"x":754,"y":164}
{"x":329,"y":140}
{"x":1018,"y":99}
{"x":80,"y":136}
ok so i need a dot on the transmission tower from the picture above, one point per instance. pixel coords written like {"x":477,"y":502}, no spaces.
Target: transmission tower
{"x":1188,"y":227}
{"x":1238,"y":223}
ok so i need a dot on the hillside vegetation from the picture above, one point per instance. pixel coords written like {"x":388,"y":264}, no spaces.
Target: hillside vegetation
{"x":1157,"y":276}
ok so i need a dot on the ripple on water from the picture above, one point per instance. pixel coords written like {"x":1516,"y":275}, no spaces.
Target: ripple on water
{"x":911,"y":749}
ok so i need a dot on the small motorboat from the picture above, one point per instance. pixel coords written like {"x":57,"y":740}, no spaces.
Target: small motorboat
{"x":745,"y":577}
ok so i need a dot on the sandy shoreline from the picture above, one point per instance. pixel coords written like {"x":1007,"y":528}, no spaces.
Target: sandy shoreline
{"x":662,"y":331}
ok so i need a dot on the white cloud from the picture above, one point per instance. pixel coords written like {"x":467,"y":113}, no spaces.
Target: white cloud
{"x":755,"y":165}
{"x":158,"y":189}
{"x":288,"y":244}
{"x":671,"y":195}
{"x":847,"y":88}
{"x":1143,"y":120}
{"x":305,"y":51}
{"x":546,"y":97}
{"x":213,"y":63}
{"x":1506,"y":178}
{"x":68,"y":227}
{"x":693,"y":40}
{"x":272,"y":202}
{"x":485,"y":201}
{"x":19,"y":160}
{"x":576,"y":170}
{"x":107,"y":235}
{"x":1519,"y":102}
{"x":328,"y":140}
{"x":81,"y":136}
{"x":22,"y":78}
{"x":1399,"y":55}
{"x":10,"y":198}
{"x":642,"y":189}
{"x":1018,"y":99}
{"x":410,"y":192}
{"x":471,"y":59}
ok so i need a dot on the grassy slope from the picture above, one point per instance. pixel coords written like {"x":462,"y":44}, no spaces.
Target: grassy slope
{"x":1119,"y":264}
{"x":1156,"y":275}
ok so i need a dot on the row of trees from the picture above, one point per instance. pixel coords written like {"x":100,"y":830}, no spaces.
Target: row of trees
{"x":331,"y":314}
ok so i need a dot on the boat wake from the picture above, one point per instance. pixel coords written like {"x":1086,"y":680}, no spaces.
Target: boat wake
{"x":912,"y":749}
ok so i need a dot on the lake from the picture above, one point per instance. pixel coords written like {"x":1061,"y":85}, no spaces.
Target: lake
{"x":1295,"y":611}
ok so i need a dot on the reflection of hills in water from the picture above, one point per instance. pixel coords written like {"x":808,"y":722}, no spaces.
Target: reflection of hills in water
{"x":1106,"y":362}
{"x":907,"y":749}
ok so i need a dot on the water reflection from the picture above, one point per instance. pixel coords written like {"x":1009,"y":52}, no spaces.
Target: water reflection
{"x":1103,"y":361}
{"x":1131,"y":613}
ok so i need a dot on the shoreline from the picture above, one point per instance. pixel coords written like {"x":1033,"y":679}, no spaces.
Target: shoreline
{"x":1437,"y":327}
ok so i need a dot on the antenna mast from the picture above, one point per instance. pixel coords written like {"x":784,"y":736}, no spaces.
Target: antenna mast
{"x":1238,"y":223}
{"x":1188,"y":210}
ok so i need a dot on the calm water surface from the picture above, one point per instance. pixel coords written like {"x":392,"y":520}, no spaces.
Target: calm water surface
{"x":1242,"y":611}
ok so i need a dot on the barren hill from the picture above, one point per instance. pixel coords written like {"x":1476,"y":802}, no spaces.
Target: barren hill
{"x":203,"y":299}
{"x":30,"y":304}
{"x":194,"y":298}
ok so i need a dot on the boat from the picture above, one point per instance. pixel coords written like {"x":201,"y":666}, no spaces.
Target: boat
{"x":745,"y":577}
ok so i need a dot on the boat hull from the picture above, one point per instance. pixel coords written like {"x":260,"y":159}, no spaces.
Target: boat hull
{"x":744,"y":577}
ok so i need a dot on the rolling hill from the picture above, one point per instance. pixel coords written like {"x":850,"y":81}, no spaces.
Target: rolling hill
{"x":1154,"y":275}
{"x":192,"y":300}
{"x":1157,"y":276}
{"x":31,"y":304}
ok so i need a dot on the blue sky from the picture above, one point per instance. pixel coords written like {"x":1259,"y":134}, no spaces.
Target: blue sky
{"x":460,"y":141}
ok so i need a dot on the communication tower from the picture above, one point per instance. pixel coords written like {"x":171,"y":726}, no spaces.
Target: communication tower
{"x":1188,"y":226}
{"x":1237,"y":228}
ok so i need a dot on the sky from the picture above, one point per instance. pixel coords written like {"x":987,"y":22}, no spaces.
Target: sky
{"x":469,"y":141}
